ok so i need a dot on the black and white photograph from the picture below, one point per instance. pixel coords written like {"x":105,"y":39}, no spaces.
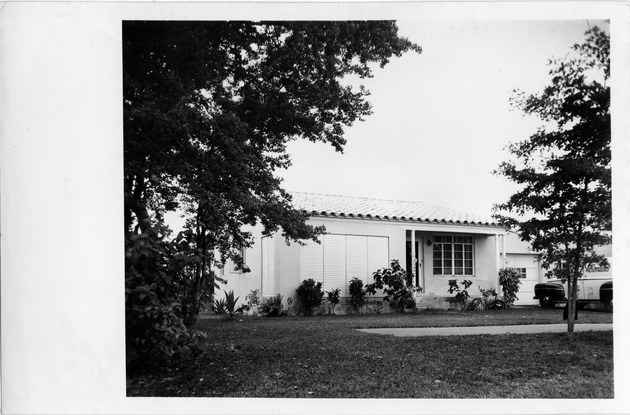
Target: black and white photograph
{"x":314,"y":207}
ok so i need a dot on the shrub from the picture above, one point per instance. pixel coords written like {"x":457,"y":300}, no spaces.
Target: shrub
{"x":155,"y":333}
{"x":357,"y":294}
{"x":253,"y":301}
{"x":334,"y":297}
{"x":395,"y":284}
{"x":510,"y":280}
{"x":310,"y":294}
{"x":272,"y":306}
{"x":461,"y":295}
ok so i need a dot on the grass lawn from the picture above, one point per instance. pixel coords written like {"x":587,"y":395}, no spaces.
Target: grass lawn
{"x":325,"y":357}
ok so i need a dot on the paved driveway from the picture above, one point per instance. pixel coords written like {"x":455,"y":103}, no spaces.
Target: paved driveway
{"x":461,"y":331}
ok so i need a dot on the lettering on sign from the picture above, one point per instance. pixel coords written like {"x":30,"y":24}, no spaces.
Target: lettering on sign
{"x":597,"y":268}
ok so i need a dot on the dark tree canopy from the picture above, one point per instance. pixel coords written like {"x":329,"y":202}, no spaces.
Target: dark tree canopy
{"x":210,"y":106}
{"x":564,"y":206}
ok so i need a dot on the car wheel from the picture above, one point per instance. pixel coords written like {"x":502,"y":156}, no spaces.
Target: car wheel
{"x":608,"y":305}
{"x":547,"y":302}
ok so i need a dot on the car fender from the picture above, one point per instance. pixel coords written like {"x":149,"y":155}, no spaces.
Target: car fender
{"x":549,"y":289}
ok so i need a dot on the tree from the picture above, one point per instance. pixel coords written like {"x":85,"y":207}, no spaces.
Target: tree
{"x":209,"y":108}
{"x":564,"y":206}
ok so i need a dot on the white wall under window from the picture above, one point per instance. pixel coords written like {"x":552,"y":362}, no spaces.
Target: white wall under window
{"x":339,"y":258}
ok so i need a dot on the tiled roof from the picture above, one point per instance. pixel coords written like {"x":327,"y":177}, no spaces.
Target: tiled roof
{"x":362,"y":207}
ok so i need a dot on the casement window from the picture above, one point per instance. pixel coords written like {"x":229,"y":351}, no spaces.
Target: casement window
{"x":340,"y":258}
{"x":453,"y":255}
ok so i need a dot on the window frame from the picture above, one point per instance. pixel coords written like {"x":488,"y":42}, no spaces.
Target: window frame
{"x":449,"y":260}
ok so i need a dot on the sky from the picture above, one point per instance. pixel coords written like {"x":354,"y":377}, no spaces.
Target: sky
{"x":441,"y":119}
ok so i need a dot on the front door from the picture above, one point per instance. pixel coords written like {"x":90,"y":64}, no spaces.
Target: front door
{"x":417,"y":269}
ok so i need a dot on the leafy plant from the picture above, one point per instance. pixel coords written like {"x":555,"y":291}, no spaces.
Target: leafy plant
{"x":253,"y":301}
{"x":334,"y":297}
{"x":219,"y":306}
{"x":461,"y":296}
{"x":230,"y":304}
{"x":509,"y":278}
{"x":272,"y":306}
{"x":310,"y":294}
{"x":155,"y":329}
{"x":395,"y":285}
{"x":357,"y":293}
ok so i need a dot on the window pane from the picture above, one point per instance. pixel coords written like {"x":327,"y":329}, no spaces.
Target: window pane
{"x":448,"y":271}
{"x":468,"y":271}
{"x":437,"y":271}
{"x":458,"y":271}
{"x":459,"y":255}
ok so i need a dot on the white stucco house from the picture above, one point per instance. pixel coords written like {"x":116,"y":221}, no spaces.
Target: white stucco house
{"x":363,"y":235}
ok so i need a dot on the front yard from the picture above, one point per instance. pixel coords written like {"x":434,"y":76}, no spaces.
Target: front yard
{"x":325,"y":357}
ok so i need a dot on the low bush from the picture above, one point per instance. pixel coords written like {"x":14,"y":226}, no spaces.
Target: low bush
{"x":395,"y":285}
{"x":155,"y":333}
{"x":310,"y":294}
{"x":253,"y":301}
{"x":357,"y":294}
{"x":334,"y":297}
{"x":461,"y":295}
{"x":272,"y":306}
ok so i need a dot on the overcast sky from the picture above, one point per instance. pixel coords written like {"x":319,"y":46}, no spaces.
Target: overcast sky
{"x":441,"y":119}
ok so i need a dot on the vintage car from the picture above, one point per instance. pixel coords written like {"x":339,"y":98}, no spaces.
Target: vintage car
{"x":590,"y":290}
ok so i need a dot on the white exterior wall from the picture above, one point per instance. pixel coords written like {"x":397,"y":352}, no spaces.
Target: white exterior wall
{"x":340,"y":258}
{"x":348,"y":237}
{"x":485,"y":269}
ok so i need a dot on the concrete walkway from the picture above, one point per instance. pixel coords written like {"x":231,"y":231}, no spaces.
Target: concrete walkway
{"x":461,"y":331}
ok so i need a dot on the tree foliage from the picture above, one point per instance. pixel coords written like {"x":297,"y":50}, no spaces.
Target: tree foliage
{"x":209,"y":108}
{"x":564,"y":205}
